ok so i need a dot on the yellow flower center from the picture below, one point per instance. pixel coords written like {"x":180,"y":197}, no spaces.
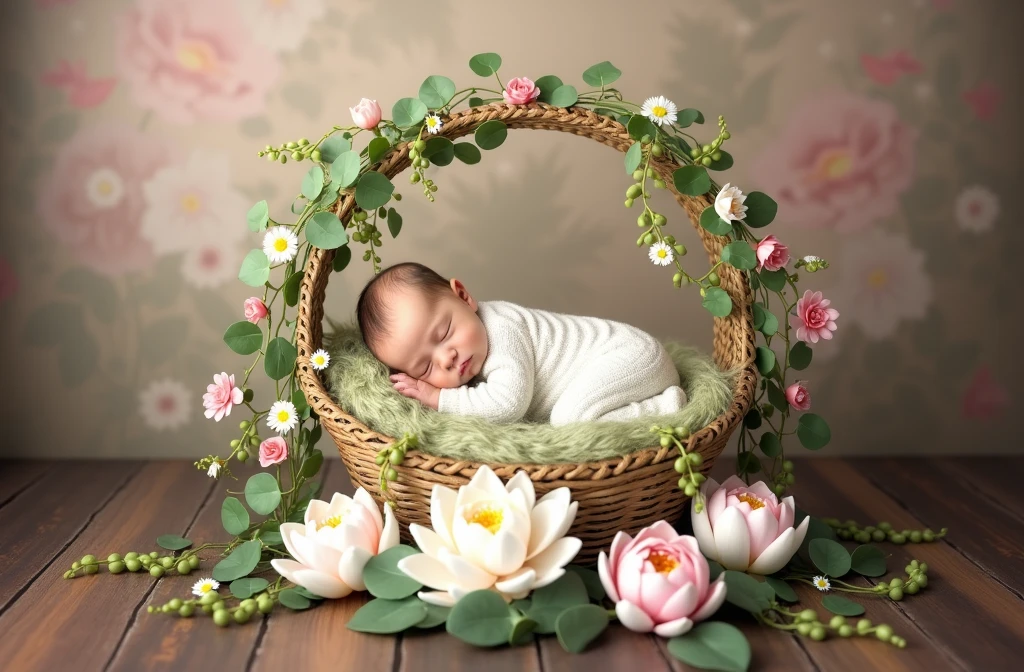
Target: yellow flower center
{"x":333,"y":521}
{"x":734,"y":206}
{"x":659,"y":111}
{"x":754,"y":502}
{"x":489,"y":518}
{"x":196,"y":56}
{"x":834,"y":164}
{"x":878,"y":278}
{"x":318,"y":360}
{"x":662,"y":253}
{"x":190,"y":203}
{"x":206,"y":587}
{"x":431,"y":121}
{"x":822,"y":583}
{"x":663,"y":563}
{"x":280,"y":244}
{"x":105,"y":187}
{"x":282,"y":416}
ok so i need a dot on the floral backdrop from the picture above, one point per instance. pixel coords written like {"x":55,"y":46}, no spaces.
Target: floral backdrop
{"x":885,"y":129}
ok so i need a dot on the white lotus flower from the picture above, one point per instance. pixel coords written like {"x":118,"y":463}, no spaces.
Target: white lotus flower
{"x":492,"y":536}
{"x":729,"y":203}
{"x":335,"y":542}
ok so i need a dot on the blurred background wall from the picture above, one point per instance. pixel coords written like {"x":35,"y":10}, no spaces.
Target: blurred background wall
{"x":894,"y":125}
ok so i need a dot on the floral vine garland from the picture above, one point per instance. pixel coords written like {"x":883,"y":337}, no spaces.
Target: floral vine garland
{"x":510,"y":577}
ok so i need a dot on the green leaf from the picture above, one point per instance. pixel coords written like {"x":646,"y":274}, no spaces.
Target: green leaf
{"x":333,"y":147}
{"x":376,"y":149}
{"x":299,"y":401}
{"x":830,"y":557}
{"x":172,"y":542}
{"x":773,"y":280}
{"x":480,"y":618}
{"x":485,"y":64}
{"x":313,"y":182}
{"x":868,"y":560}
{"x":294,"y":600}
{"x":638,"y":126}
{"x":246,"y":587}
{"x":311,"y":467}
{"x":765,"y":359}
{"x":800,"y":356}
{"x":842,"y":606}
{"x":713,"y":645}
{"x":783,"y":590}
{"x":746,"y":592}
{"x":770,"y":444}
{"x":547,"y":85}
{"x":383,"y":577}
{"x":435,"y":616}
{"x":241,"y":561}
{"x":748,"y":463}
{"x":243,"y":337}
{"x":740,"y":255}
{"x":342,"y":258}
{"x":710,"y":221}
{"x":490,"y":134}
{"x":602,"y":74}
{"x":715,"y":569}
{"x":522,"y":631}
{"x":578,"y":626}
{"x":255,"y":269}
{"x":345,"y":169}
{"x":551,"y":600}
{"x":385,"y":617}
{"x":294,"y":282}
{"x":761,"y":210}
{"x":687,"y":116}
{"x":467,"y":152}
{"x":564,"y":96}
{"x":262,"y":493}
{"x":591,"y":579}
{"x":724,"y":163}
{"x":270,"y":533}
{"x":408,"y":112}
{"x":765,"y":320}
{"x":777,"y":397}
{"x":280,"y":358}
{"x":633,"y":157}
{"x":233,"y":516}
{"x":691,"y":180}
{"x":813,"y":431}
{"x":440,"y":151}
{"x":752,"y":420}
{"x":436,"y":91}
{"x":96,"y":291}
{"x":717,"y":301}
{"x":325,"y":230}
{"x":373,"y":190}
{"x":395,"y":222}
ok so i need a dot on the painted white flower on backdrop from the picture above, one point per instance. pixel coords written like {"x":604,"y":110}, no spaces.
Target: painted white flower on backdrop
{"x":165,"y":404}
{"x":281,"y":25}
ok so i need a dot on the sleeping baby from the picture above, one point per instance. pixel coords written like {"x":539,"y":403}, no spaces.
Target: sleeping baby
{"x":507,"y":363}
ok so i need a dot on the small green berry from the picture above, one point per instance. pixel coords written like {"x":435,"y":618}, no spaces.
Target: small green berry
{"x":921,"y":580}
{"x":896,"y":594}
{"x":836,"y":622}
{"x":167,"y":562}
{"x":878,"y":535}
{"x":645,"y":139}
{"x":659,"y":219}
{"x":896,"y":583}
{"x":218,"y":605}
{"x":241,"y":616}
{"x":316,"y":155}
{"x":649,"y":173}
{"x":193,"y":561}
{"x":716,"y":156}
{"x":683,"y":482}
{"x":845,"y":631}
{"x":911,"y":588}
{"x":397,"y":456}
{"x":657,"y":150}
{"x":249,"y":605}
{"x":186,"y":610}
{"x":242,"y":455}
{"x":897,"y":538}
{"x":690,"y":490}
{"x":209,"y":598}
{"x":265,"y":606}
{"x":283,"y":159}
{"x":915,"y":537}
{"x":666,"y":441}
{"x":694,"y":153}
{"x":696,"y":459}
{"x":183,"y":567}
{"x":391,"y":475}
{"x":175,"y":604}
{"x":883,"y":632}
{"x":807,"y":615}
{"x":133,"y":564}
{"x":234,"y":443}
{"x":629,"y":202}
{"x":714,"y":279}
{"x":863,"y":625}
{"x":420,"y":145}
{"x":659,"y":184}
{"x":634,"y":191}
{"x":804,"y":628}
{"x":156,"y":571}
{"x":649,"y":239}
{"x":222,"y":618}
{"x":88,"y":560}
{"x":726,"y":135}
{"x":113,"y":557}
{"x":885,"y":527}
{"x":76,"y":565}
{"x":817,"y":633}
{"x":116,"y":567}
{"x":680,"y":465}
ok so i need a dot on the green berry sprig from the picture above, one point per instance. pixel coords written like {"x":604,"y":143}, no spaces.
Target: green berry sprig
{"x":213,"y":604}
{"x":917,"y":579}
{"x":806,"y":624}
{"x":689,"y":480}
{"x":134,"y":561}
{"x":392,"y":456}
{"x":297,"y":150}
{"x":705,"y":155}
{"x":419,"y":164}
{"x":882,"y":531}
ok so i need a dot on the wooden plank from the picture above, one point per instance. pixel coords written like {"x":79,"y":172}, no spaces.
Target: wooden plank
{"x":44,"y":518}
{"x":317,"y":639}
{"x":437,"y":650}
{"x":59,"y":623}
{"x":18,"y":475}
{"x":771,"y":650}
{"x":995,"y":478}
{"x":617,"y":648}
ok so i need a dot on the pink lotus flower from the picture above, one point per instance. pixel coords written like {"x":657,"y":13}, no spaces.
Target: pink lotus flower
{"x":887,"y":69}
{"x":255,"y":309}
{"x":273,"y":451}
{"x":798,"y":396}
{"x":841,"y":162}
{"x":746,"y":528}
{"x":659,"y":581}
{"x":985,"y":398}
{"x":83,"y":91}
{"x":814,"y":319}
{"x":771,"y":254}
{"x":366,"y":114}
{"x":984,"y":100}
{"x":221,"y":395}
{"x":520,"y":91}
{"x":8,"y":280}
{"x":190,"y":60}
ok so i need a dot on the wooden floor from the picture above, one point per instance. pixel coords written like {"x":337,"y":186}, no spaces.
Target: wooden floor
{"x":971,"y":616}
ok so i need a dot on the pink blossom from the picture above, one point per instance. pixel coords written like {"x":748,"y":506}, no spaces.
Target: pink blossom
{"x":771,"y":254}
{"x":984,"y":100}
{"x":95,"y":201}
{"x":83,"y":91}
{"x":520,"y":91}
{"x":273,"y":451}
{"x":798,"y":396}
{"x":814,"y":319}
{"x":659,"y":581}
{"x":255,"y":309}
{"x":8,"y":280}
{"x":887,"y":69}
{"x":191,"y":60}
{"x":366,"y":114}
{"x":840,"y":163}
{"x":985,"y":398}
{"x":221,"y":395}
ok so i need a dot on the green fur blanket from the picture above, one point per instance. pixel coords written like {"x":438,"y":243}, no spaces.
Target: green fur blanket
{"x":359,"y":383}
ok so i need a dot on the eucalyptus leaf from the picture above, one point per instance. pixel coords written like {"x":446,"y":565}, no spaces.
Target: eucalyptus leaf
{"x":440,"y":151}
{"x":830,"y":557}
{"x":633,"y":157}
{"x":243,"y":337}
{"x":436,"y":91}
{"x":740,"y":255}
{"x":687,"y":116}
{"x":765,"y":359}
{"x":258,"y":216}
{"x":408,"y":112}
{"x":311,"y":467}
{"x":342,"y":258}
{"x":480,"y":618}
{"x":383,"y":577}
{"x":777,"y":397}
{"x":773,"y":280}
{"x":294,"y":600}
{"x":564,"y":96}
{"x":714,"y":569}
{"x":800,"y":356}
{"x":578,"y":626}
{"x":602,"y":74}
{"x":377,"y":148}
{"x":752,"y":420}
{"x":691,"y":180}
{"x":383,"y":617}
{"x":233,"y":516}
{"x":724,"y":163}
{"x":262,"y":493}
{"x":745,"y":592}
{"x":373,"y":190}
{"x":255,"y":269}
{"x":770,"y":444}
{"x":435,"y":616}
{"x":333,"y":147}
{"x":485,"y":64}
{"x":868,"y":560}
{"x":638,"y":126}
{"x":813,"y":431}
{"x":521,"y":632}
{"x":294,"y":283}
{"x":761,"y":210}
{"x":280,"y":358}
{"x":713,"y":645}
{"x":710,"y":221}
{"x":313,"y":183}
{"x":246,"y":587}
{"x":717,"y":302}
{"x":783,"y":590}
{"x":325,"y":230}
{"x":591,"y":579}
{"x":748,"y":463}
{"x":467,"y":152}
{"x":395,"y":221}
{"x":345,"y":169}
{"x":547,"y":85}
{"x":490,"y":134}
{"x":240,"y":563}
{"x":551,"y":600}
{"x":173,"y":542}
{"x":842,"y":606}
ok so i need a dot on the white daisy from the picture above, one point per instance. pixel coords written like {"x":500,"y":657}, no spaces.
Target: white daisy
{"x":283,"y":417}
{"x":821,"y":583}
{"x":320,"y":359}
{"x":204,"y":586}
{"x":977,"y":208}
{"x":213,"y":470}
{"x":729,"y":203}
{"x":660,"y":110}
{"x":280,"y":244}
{"x":433,"y":123}
{"x":165,"y":404}
{"x":104,"y":188}
{"x":660,"y":254}
{"x":210,"y":264}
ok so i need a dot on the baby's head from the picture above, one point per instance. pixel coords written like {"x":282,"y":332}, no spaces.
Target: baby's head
{"x":420,"y":324}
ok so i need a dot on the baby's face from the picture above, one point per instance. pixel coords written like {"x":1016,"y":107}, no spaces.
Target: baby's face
{"x":443,"y":343}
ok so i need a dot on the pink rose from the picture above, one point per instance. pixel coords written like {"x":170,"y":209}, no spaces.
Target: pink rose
{"x":887,"y":69}
{"x":95,"y":203}
{"x":8,"y":280}
{"x":771,"y":254}
{"x":83,"y":91}
{"x":273,"y":451}
{"x":659,"y":581}
{"x":366,"y":114}
{"x":841,"y":162}
{"x":520,"y":91}
{"x":221,"y":395}
{"x":813,"y":319}
{"x":255,"y":309}
{"x":798,"y":396}
{"x":985,"y":398}
{"x":190,"y":60}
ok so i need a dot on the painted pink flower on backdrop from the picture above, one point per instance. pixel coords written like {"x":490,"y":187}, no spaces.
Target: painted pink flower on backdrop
{"x":190,"y":60}
{"x":984,"y":100}
{"x":94,"y":202}
{"x":840,"y":163}
{"x":985,"y":398}
{"x":889,"y":68}
{"x":8,"y":280}
{"x":83,"y":91}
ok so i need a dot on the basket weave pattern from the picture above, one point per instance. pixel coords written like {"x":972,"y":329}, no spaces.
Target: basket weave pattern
{"x":624,"y":493}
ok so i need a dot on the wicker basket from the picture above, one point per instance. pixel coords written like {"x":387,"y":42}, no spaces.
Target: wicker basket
{"x":625,"y":493}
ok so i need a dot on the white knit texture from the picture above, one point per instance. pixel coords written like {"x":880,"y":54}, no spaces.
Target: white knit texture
{"x":543,"y":366}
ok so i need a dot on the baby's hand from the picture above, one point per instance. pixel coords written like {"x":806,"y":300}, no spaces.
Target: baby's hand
{"x":423,"y":392}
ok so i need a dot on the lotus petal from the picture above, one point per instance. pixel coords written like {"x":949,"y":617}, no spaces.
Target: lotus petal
{"x":520,"y":581}
{"x":428,"y":571}
{"x":633,"y":617}
{"x":350,"y":567}
{"x":673,"y":628}
{"x":733,"y":540}
{"x":714,"y":600}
